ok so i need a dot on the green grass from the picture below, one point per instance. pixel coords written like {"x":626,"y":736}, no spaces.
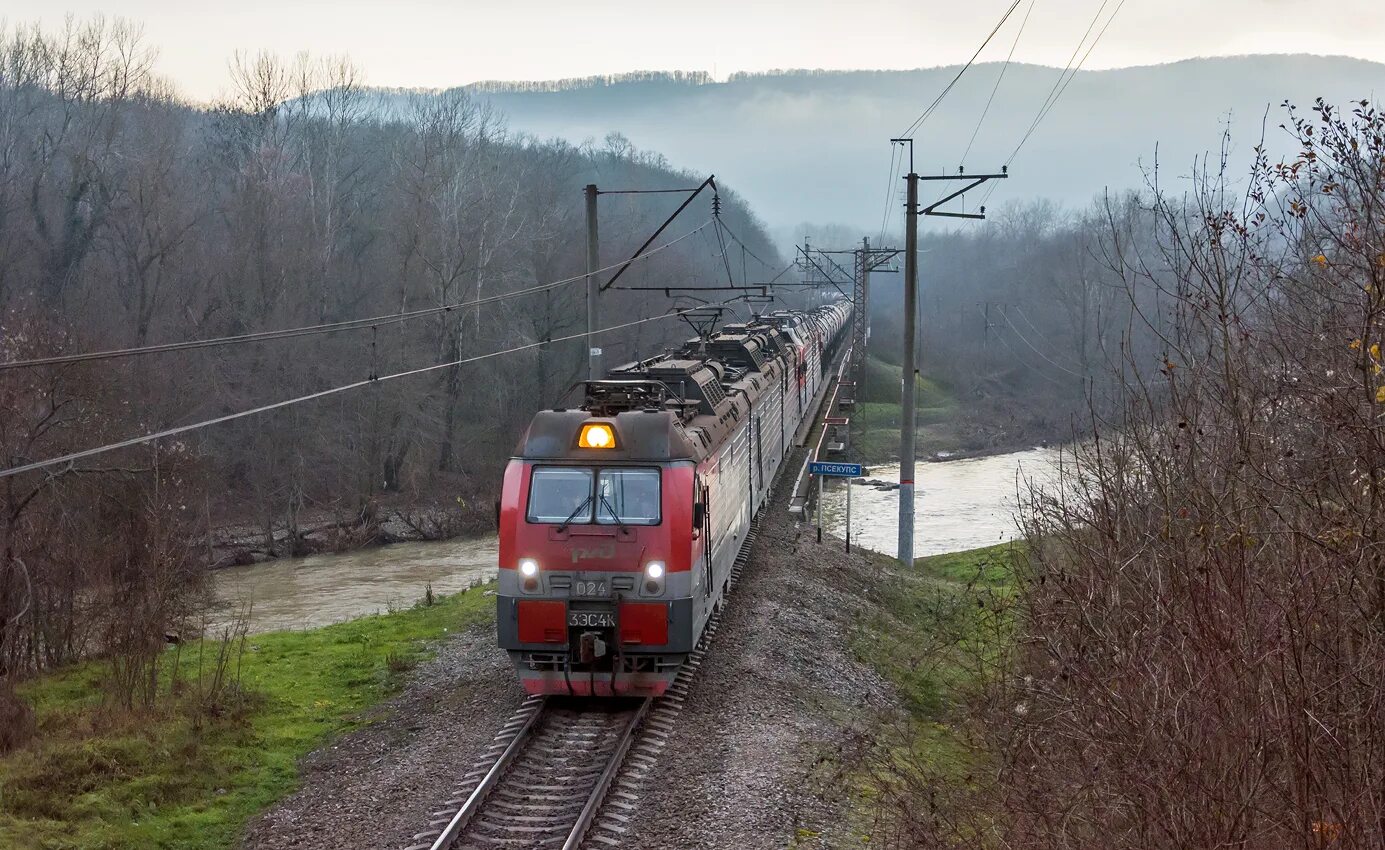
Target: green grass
{"x":875,"y":421}
{"x":176,"y":778}
{"x":991,"y":566}
{"x":931,"y":632}
{"x":881,"y":382}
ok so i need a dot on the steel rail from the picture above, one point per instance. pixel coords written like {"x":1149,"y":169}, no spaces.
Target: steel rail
{"x":488,"y":782}
{"x":603,"y":782}
{"x":497,"y":775}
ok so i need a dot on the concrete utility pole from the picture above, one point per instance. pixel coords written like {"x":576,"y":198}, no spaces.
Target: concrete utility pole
{"x":593,"y":288}
{"x":906,"y":398}
{"x":907,"y":414}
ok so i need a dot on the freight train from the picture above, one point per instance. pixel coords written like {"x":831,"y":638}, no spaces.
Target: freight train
{"x":620,"y":520}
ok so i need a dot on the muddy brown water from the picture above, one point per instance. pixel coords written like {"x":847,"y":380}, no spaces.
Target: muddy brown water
{"x":959,"y":504}
{"x":963,"y":504}
{"x":302,"y":593}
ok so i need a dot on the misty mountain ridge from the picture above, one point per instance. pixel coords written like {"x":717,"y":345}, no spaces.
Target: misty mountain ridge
{"x":813,"y":145}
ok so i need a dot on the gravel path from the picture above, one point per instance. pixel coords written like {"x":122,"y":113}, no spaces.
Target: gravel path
{"x":375,"y":787}
{"x":749,"y":763}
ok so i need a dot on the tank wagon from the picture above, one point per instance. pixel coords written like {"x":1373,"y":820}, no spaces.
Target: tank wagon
{"x":620,"y":520}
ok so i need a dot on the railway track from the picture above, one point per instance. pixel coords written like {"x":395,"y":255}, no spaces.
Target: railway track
{"x":565,"y":774}
{"x":548,"y":774}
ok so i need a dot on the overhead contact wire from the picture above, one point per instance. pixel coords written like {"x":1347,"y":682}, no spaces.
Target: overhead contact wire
{"x":183,"y":429}
{"x":329,"y":327}
{"x":737,"y":240}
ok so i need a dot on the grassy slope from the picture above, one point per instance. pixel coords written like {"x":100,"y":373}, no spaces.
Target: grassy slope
{"x":934,"y":630}
{"x":99,"y":779}
{"x":930,"y":631}
{"x":875,"y":421}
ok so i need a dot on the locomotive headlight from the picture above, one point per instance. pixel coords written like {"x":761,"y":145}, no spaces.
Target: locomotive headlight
{"x":654,"y":578}
{"x":529,"y":575}
{"x":596,"y":435}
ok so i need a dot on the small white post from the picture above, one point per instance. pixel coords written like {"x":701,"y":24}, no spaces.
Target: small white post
{"x":848,"y":516}
{"x":819,"y":508}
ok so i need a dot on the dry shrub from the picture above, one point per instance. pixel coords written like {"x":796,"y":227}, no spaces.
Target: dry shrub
{"x":1202,"y":661}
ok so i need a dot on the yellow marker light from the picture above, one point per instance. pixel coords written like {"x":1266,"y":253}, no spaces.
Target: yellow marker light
{"x":596,"y":435}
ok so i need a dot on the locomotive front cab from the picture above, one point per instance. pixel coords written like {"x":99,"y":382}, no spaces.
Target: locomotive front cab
{"x":596,"y":540}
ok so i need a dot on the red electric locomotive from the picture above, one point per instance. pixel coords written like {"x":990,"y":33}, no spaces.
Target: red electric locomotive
{"x":620,"y":520}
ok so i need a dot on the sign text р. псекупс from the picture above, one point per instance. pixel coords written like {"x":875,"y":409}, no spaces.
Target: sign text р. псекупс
{"x":836,"y":470}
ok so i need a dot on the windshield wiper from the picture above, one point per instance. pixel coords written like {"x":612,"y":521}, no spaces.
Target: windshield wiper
{"x":575,"y":511}
{"x":612,"y":508}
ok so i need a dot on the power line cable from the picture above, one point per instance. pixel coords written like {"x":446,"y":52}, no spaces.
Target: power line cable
{"x":889,"y":192}
{"x":1062,"y":75}
{"x":1023,"y":315}
{"x":1068,"y":82}
{"x":994,"y":89}
{"x":999,"y":78}
{"x":1035,"y":350}
{"x":918,"y":122}
{"x":1018,"y":358}
{"x":1061,"y":84}
{"x":183,"y":429}
{"x":329,"y":327}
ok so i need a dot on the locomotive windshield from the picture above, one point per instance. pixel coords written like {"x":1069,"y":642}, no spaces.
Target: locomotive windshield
{"x":558,"y":493}
{"x":622,"y":496}
{"x":628,"y":497}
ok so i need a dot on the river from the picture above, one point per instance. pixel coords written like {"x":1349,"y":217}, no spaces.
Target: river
{"x":300,"y":593}
{"x":959,"y":504}
{"x":963,"y":504}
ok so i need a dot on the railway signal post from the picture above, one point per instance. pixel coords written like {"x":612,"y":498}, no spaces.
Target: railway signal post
{"x":911,"y":285}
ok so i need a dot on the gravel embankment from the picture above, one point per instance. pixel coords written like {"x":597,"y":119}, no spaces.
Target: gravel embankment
{"x":778,"y":694}
{"x":375,"y":787}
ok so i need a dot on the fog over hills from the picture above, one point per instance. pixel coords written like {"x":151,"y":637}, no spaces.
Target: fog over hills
{"x":812,"y":146}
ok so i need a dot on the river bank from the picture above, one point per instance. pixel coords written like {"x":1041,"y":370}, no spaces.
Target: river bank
{"x":317,"y":590}
{"x":241,"y":544}
{"x":947,"y":428}
{"x":228,"y":732}
{"x":959,"y":504}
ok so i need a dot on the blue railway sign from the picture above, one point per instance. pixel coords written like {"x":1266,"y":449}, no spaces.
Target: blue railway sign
{"x":836,"y":470}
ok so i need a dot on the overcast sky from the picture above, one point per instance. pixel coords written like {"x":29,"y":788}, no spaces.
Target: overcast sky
{"x":416,"y":43}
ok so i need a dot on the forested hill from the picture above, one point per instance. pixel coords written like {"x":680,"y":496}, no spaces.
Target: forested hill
{"x":812,"y":145}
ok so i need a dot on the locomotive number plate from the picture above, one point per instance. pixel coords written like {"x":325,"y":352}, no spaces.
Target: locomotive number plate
{"x":592,"y":619}
{"x":589,"y":588}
